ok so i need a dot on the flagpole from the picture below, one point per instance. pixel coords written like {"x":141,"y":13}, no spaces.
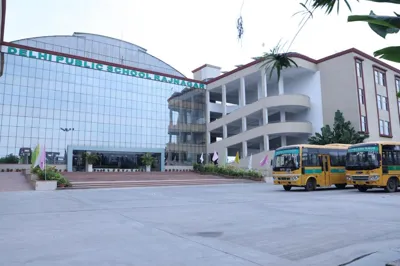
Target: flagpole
{"x":45,"y":177}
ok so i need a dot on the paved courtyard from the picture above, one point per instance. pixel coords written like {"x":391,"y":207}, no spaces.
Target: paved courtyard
{"x":238,"y":224}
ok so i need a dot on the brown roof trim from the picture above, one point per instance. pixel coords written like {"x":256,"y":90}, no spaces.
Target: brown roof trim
{"x":358,"y":58}
{"x":3,"y":19}
{"x":304,"y":57}
{"x":97,"y":61}
{"x":379,"y":68}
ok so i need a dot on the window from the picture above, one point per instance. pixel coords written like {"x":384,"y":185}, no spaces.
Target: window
{"x":338,"y":157}
{"x":379,"y":77}
{"x":359,"y":68}
{"x":382,"y":102}
{"x":310,"y":157}
{"x":379,"y":101}
{"x":363,"y":123}
{"x":397,"y":84}
{"x":361,"y":96}
{"x":390,"y":155}
{"x":384,"y":127}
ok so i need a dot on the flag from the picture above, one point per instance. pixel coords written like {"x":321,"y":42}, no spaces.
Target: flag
{"x":264,"y":161}
{"x":215,"y":156}
{"x":201,"y":158}
{"x":250,"y":161}
{"x":36,"y":156}
{"x":237,"y":158}
{"x":42,"y":161}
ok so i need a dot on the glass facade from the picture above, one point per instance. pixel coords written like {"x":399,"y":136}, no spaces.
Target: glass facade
{"x":60,"y":105}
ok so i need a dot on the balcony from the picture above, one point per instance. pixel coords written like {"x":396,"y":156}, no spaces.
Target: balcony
{"x":289,"y":103}
{"x":280,"y":128}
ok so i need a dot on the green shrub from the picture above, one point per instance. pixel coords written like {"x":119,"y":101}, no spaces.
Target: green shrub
{"x":51,"y":173}
{"x":228,"y":171}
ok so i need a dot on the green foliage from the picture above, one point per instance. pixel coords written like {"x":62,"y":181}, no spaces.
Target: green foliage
{"x":11,"y":159}
{"x":51,"y":173}
{"x":91,"y":158}
{"x":342,"y":132}
{"x":147,"y":159}
{"x":228,"y":171}
{"x":381,"y":25}
{"x":276,"y":60}
{"x":328,"y":5}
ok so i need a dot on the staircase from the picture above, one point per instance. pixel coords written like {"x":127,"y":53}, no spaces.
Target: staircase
{"x":122,"y":180}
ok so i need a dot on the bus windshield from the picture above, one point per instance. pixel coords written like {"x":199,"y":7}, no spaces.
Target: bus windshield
{"x":362,"y":157}
{"x":287,"y":159}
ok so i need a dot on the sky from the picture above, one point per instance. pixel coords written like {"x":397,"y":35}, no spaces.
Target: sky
{"x":189,"y":33}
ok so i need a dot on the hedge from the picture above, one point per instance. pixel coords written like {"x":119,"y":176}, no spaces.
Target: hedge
{"x":228,"y":171}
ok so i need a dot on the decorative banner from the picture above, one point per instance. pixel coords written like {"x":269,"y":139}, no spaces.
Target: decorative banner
{"x":35,"y":156}
{"x":237,"y":160}
{"x":215,"y":156}
{"x":264,"y":161}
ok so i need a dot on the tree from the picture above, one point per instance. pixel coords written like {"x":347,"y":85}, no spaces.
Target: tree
{"x":381,"y":25}
{"x":10,"y":158}
{"x":342,"y":132}
{"x":277,"y":60}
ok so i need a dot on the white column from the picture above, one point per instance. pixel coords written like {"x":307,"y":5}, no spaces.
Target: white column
{"x":264,"y":86}
{"x":225,"y":156}
{"x":259,"y":96}
{"x":283,"y":141}
{"x":281,"y":86}
{"x":223,"y":100}
{"x":242,"y":92}
{"x":283,"y":116}
{"x":244,"y":148}
{"x":266,"y":142}
{"x":224,"y":131}
{"x":207,"y":106}
{"x":244,"y":124}
{"x":208,"y":137}
{"x":265,"y":116}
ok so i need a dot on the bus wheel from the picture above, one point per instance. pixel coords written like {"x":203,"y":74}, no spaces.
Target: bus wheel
{"x":310,"y":185}
{"x":287,"y":188}
{"x":392,"y":185}
{"x":362,"y":188}
{"x":340,"y":186}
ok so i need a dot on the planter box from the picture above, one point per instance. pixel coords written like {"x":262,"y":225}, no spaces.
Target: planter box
{"x":44,"y":185}
{"x":34,"y":177}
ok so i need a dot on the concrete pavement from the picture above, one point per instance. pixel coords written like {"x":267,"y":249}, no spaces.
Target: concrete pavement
{"x":239,"y":224}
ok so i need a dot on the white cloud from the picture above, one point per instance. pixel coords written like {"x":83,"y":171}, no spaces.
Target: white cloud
{"x":189,"y":33}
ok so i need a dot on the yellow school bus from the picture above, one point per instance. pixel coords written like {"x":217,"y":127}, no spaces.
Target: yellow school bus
{"x":310,"y":166}
{"x":374,"y":165}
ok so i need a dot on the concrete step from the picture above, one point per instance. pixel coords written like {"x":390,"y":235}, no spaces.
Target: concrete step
{"x":112,"y":184}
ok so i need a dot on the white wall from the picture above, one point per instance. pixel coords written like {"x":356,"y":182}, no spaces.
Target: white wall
{"x":310,"y":85}
{"x":207,"y":72}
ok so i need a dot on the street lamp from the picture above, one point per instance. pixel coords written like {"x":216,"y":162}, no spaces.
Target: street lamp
{"x":66,"y":130}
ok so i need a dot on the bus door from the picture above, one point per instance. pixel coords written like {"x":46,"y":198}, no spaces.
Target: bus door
{"x":326,"y":171}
